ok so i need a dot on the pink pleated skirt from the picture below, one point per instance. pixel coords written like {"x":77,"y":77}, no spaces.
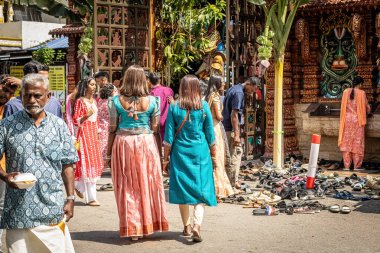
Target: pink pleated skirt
{"x":139,"y":191}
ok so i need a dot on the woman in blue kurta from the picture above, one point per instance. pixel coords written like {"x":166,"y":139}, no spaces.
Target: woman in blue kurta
{"x":191,"y":150}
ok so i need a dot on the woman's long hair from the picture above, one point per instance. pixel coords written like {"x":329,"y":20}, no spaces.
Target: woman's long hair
{"x":190,"y":93}
{"x":358,"y":80}
{"x":214,"y":85}
{"x":81,"y":89}
{"x":134,"y":82}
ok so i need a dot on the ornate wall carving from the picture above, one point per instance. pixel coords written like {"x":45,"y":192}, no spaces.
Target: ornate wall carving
{"x":338,"y":55}
{"x":359,"y":33}
{"x":302,"y":35}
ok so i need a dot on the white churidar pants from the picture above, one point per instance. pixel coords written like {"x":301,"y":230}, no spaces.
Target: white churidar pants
{"x":198,"y":214}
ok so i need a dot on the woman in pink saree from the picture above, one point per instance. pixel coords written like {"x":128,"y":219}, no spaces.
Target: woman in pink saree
{"x":135,"y":159}
{"x":353,"y":118}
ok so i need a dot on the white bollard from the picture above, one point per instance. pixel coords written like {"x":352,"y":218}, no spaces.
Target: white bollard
{"x":313,"y":160}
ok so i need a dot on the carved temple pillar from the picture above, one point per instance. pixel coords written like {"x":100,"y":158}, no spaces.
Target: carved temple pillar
{"x":362,"y":30}
{"x":311,"y":66}
{"x":72,"y":72}
{"x":377,"y":30}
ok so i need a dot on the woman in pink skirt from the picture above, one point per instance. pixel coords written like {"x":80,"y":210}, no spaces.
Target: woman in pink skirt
{"x":135,"y":159}
{"x":106,"y":92}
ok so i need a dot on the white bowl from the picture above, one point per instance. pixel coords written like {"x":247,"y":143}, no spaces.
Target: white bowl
{"x":25,"y":180}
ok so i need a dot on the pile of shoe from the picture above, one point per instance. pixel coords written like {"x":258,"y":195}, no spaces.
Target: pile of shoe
{"x":264,"y":197}
{"x":373,"y":183}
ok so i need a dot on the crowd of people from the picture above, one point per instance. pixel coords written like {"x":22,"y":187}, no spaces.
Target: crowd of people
{"x":137,"y":130}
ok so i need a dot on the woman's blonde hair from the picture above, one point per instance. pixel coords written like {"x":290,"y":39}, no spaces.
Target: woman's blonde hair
{"x":190,"y":93}
{"x":134,"y":82}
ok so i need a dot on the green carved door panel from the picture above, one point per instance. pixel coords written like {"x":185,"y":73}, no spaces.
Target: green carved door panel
{"x":339,"y":58}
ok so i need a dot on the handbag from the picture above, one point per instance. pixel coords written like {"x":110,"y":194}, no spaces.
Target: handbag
{"x":182,"y":124}
{"x":179,"y":130}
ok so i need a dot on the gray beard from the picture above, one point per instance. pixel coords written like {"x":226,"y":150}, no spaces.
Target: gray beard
{"x":39,"y":111}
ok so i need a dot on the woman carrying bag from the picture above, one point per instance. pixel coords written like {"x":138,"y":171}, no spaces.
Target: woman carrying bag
{"x":190,"y":141}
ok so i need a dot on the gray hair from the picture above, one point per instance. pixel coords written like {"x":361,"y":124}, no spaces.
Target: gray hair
{"x":33,"y":79}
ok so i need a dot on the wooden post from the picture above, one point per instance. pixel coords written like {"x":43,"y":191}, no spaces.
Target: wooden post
{"x":152,"y":36}
{"x":228,"y":17}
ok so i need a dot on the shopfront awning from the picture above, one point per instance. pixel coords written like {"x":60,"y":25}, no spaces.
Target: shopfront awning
{"x":59,"y":43}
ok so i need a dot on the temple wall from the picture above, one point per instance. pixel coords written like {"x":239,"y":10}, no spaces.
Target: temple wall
{"x":328,"y":127}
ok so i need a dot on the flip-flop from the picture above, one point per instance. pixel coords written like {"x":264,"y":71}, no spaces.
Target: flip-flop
{"x":334,"y":208}
{"x":357,"y":187}
{"x":345,"y":210}
{"x":106,"y":187}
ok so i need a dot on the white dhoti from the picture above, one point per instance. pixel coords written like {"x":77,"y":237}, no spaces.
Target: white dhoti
{"x":41,"y":239}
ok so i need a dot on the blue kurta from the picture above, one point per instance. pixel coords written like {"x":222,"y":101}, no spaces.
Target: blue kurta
{"x":191,"y":171}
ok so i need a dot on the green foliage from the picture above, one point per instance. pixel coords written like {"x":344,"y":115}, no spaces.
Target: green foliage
{"x":60,"y":55}
{"x":280,"y":16}
{"x":44,"y":55}
{"x":189,"y":39}
{"x":86,"y":41}
{"x":48,"y":56}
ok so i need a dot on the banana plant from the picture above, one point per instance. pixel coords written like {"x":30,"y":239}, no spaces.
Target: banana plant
{"x":279,"y":19}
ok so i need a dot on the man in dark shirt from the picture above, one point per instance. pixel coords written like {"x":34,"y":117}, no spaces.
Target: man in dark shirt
{"x":14,"y":105}
{"x":233,"y":106}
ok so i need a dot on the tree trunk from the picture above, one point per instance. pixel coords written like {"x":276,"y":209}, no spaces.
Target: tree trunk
{"x":278,"y":150}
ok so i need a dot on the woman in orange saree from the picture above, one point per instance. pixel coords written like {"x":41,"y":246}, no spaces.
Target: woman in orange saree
{"x":353,"y":118}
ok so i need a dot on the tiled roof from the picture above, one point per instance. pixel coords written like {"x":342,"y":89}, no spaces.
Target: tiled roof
{"x":328,"y":4}
{"x":68,"y":30}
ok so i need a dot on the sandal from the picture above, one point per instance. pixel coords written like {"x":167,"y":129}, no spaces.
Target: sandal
{"x":304,"y":210}
{"x":187,"y":230}
{"x":196,"y":234}
{"x":106,"y":187}
{"x":93,"y":203}
{"x":334,"y":208}
{"x":345,"y":210}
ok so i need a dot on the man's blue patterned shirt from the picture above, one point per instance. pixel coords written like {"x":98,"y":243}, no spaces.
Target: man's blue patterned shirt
{"x":42,"y":151}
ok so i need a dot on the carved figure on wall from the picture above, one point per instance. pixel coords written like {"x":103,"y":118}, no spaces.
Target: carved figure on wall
{"x":102,"y":13}
{"x":102,"y":38}
{"x":116,"y":58}
{"x":338,"y":55}
{"x":302,"y":35}
{"x":360,"y":35}
{"x":377,"y":25}
{"x":116,"y":15}
{"x":116,"y":35}
{"x":102,"y":57}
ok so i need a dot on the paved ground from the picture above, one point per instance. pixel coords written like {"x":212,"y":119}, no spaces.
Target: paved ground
{"x":230,"y":228}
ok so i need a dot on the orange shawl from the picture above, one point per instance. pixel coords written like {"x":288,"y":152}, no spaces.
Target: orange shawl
{"x":361,"y":103}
